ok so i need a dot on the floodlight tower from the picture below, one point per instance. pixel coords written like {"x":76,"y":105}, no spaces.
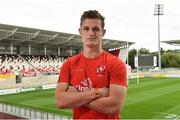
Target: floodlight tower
{"x":159,"y":11}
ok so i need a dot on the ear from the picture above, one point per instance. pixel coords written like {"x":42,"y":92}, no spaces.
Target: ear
{"x":104,"y":31}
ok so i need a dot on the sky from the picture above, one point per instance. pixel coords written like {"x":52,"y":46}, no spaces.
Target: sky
{"x":127,"y":20}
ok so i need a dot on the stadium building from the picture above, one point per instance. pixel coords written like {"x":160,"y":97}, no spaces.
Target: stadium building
{"x":29,"y":41}
{"x":173,"y":42}
{"x":34,"y":57}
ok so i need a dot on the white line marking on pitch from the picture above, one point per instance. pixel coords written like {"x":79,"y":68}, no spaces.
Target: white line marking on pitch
{"x":170,"y":116}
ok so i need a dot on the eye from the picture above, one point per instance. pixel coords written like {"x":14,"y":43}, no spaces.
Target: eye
{"x":86,"y":28}
{"x":96,"y":29}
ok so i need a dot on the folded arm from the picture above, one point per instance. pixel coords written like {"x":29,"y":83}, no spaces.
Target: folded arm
{"x":69,"y":99}
{"x":113,"y":103}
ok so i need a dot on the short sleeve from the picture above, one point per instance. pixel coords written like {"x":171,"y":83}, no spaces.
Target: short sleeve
{"x":118,"y":72}
{"x":64,"y":75}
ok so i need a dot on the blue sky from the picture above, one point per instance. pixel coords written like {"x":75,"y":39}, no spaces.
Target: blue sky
{"x":128,"y":20}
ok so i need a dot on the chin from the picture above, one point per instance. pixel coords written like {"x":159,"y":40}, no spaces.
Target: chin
{"x":92,"y":45}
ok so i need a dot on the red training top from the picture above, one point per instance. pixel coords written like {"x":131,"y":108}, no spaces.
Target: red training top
{"x":85,"y":73}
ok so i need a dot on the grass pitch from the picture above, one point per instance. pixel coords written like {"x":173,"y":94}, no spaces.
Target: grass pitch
{"x":152,"y":98}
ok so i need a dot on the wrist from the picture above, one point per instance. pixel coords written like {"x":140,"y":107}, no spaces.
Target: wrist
{"x":97,"y":93}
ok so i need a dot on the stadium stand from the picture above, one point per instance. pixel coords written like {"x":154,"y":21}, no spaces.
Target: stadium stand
{"x":27,"y":64}
{"x":30,"y":41}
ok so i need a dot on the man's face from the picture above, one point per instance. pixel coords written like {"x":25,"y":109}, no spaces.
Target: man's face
{"x":91,"y":32}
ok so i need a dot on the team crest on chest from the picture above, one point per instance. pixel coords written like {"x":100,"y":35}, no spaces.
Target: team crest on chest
{"x":101,"y":70}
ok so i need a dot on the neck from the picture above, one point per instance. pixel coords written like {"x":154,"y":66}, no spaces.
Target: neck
{"x":92,"y":52}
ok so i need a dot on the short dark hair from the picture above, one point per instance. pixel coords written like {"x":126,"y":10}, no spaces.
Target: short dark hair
{"x":93,"y":14}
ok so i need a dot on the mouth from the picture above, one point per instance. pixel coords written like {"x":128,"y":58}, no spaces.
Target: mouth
{"x":91,"y":38}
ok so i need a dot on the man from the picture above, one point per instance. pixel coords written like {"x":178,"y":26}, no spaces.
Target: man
{"x":94,"y":82}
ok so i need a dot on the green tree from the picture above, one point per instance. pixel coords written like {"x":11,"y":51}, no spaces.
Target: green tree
{"x":132,"y":54}
{"x":144,"y":51}
{"x":170,"y":59}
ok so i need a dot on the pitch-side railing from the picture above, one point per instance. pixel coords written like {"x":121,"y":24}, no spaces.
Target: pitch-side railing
{"x":30,"y":114}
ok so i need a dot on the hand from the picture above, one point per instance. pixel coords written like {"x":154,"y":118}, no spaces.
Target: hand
{"x":72,"y":89}
{"x":104,"y":91}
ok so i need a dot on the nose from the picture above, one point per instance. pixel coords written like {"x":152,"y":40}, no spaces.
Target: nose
{"x":90,"y":32}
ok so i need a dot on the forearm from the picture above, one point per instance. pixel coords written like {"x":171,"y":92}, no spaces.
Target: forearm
{"x":113,"y":103}
{"x":74,"y":99}
{"x":104,"y":105}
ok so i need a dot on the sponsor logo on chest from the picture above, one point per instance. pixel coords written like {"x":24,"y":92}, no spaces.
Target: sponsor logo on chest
{"x":101,"y":70}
